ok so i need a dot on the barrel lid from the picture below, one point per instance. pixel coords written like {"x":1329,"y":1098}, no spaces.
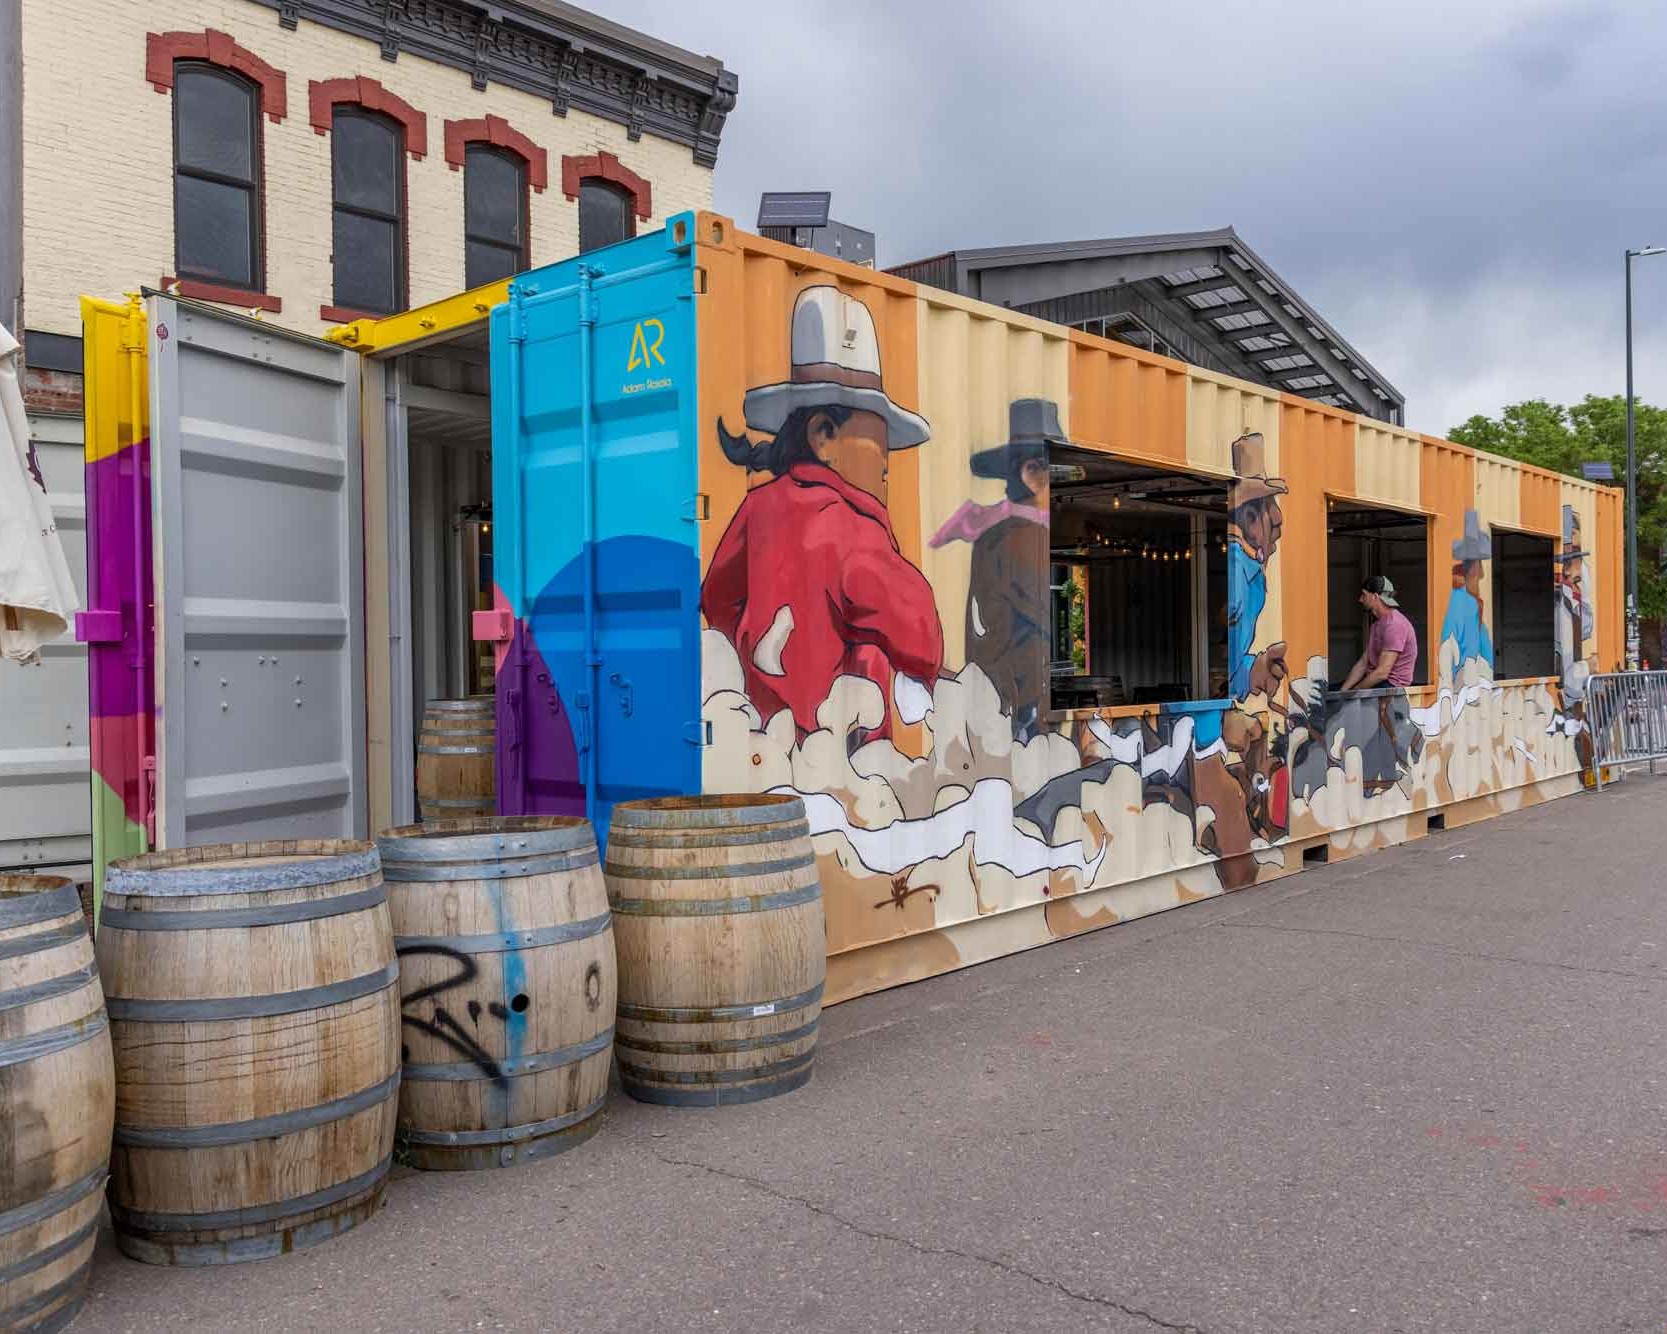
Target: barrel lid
{"x":15,"y":886}
{"x":26,"y":899}
{"x":473,"y":704}
{"x":711,"y":811}
{"x":485,"y":838}
{"x":243,"y":868}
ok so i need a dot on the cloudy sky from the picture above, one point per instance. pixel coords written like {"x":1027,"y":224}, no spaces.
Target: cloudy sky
{"x":1452,"y":184}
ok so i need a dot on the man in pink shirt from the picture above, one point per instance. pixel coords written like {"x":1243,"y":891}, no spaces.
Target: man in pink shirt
{"x":1391,"y":655}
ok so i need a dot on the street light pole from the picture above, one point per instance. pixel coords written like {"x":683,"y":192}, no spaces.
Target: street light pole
{"x":1632,"y":474}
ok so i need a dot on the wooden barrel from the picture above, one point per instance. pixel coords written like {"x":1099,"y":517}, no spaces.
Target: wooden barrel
{"x":722,"y":954}
{"x":457,"y":759}
{"x":506,"y":961}
{"x":56,"y":1102}
{"x":254,"y":1007}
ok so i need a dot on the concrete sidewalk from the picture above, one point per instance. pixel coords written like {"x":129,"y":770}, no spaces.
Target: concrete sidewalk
{"x":1421,"y":1090}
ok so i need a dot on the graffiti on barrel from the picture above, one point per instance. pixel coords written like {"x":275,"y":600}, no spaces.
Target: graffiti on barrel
{"x":444,"y":1026}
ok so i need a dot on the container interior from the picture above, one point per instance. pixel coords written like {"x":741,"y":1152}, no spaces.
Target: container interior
{"x":442,"y":403}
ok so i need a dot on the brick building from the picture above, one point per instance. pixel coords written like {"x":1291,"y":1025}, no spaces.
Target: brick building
{"x":309,"y":162}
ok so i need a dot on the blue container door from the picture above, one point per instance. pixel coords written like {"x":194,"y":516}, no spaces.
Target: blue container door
{"x":597,"y":550}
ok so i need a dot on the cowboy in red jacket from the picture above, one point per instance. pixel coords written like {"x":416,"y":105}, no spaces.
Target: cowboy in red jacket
{"x":807,"y":582}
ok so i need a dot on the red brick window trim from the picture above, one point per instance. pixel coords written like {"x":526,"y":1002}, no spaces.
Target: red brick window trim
{"x":324,"y":97}
{"x":498,"y":132}
{"x":607,"y":167}
{"x":162,"y":49}
{"x":227,"y":296}
{"x":346,"y":314}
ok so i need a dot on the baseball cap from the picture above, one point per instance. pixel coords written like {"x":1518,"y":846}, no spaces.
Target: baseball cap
{"x":1380,"y":585}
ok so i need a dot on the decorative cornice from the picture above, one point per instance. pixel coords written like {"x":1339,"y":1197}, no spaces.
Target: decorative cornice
{"x":550,"y":51}
{"x":323,"y":97}
{"x":498,"y":132}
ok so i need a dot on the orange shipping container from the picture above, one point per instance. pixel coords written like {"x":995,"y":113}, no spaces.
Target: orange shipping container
{"x":887,"y":576}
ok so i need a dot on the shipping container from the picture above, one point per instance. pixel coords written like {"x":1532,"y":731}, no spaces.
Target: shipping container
{"x":1048,"y":631}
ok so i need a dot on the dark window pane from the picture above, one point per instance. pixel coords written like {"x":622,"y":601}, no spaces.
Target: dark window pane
{"x":367,"y":264}
{"x":364,"y":155}
{"x":494,"y":193}
{"x":487,"y":263}
{"x":604,"y":215}
{"x":213,"y":235}
{"x":215,"y":116}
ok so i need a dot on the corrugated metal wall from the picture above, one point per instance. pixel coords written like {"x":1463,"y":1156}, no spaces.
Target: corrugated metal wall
{"x":932,"y":840}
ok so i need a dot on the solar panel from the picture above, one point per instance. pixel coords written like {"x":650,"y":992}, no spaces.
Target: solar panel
{"x":1598,"y":472}
{"x":803,"y":208}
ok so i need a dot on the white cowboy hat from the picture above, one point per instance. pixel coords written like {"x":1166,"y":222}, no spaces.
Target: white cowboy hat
{"x":836,"y":360}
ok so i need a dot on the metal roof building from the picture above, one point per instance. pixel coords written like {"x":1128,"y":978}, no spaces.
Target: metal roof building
{"x":1202,"y":297}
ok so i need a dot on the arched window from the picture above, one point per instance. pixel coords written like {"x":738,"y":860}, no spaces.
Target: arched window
{"x":217,"y":177}
{"x":367,"y":152}
{"x":605,"y":214}
{"x":494,"y":215}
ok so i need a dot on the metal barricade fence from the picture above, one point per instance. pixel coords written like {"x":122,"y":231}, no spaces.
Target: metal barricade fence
{"x":1627,"y":715}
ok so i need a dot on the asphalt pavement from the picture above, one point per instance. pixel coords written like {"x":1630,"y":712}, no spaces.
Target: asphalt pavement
{"x":1422,"y":1090}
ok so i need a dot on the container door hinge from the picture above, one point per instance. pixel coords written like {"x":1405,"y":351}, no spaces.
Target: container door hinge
{"x":698,"y":733}
{"x":697,"y":508}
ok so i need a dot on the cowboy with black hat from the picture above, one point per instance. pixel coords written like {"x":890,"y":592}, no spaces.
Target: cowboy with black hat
{"x":1574,"y":613}
{"x":1008,"y":609}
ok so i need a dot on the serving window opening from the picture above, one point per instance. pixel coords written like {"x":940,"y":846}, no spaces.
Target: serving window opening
{"x":1138,"y":583}
{"x":1524,"y":588}
{"x":1363,"y":541}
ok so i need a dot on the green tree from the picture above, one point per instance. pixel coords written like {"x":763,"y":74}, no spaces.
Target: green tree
{"x":1560,"y":438}
{"x":1079,"y":626}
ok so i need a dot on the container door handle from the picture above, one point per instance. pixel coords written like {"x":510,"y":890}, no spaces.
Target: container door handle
{"x":97,"y":626}
{"x":582,"y":706}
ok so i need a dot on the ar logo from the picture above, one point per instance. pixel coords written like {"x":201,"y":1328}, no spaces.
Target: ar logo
{"x":645,"y":346}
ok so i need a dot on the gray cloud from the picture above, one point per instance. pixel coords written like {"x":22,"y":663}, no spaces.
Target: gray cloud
{"x":1451,"y":184}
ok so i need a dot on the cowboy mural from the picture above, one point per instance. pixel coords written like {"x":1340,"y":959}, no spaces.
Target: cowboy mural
{"x":807,"y":581}
{"x":1252,"y":535}
{"x":1009,"y":613}
{"x":1465,"y":624}
{"x":1574,"y":613}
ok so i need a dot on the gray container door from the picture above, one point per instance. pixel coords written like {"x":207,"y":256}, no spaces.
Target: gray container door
{"x":259,"y":560}
{"x":45,"y":815}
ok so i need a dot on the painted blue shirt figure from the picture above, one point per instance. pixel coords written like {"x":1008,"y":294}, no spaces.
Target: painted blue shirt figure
{"x":1252,"y":534}
{"x":1247,"y":595}
{"x":1464,"y":624}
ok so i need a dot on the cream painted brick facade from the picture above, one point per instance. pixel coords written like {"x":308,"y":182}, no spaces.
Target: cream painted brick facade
{"x":98,"y":158}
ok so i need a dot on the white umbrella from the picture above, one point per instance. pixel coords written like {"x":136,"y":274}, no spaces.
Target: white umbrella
{"x":37,"y":595}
